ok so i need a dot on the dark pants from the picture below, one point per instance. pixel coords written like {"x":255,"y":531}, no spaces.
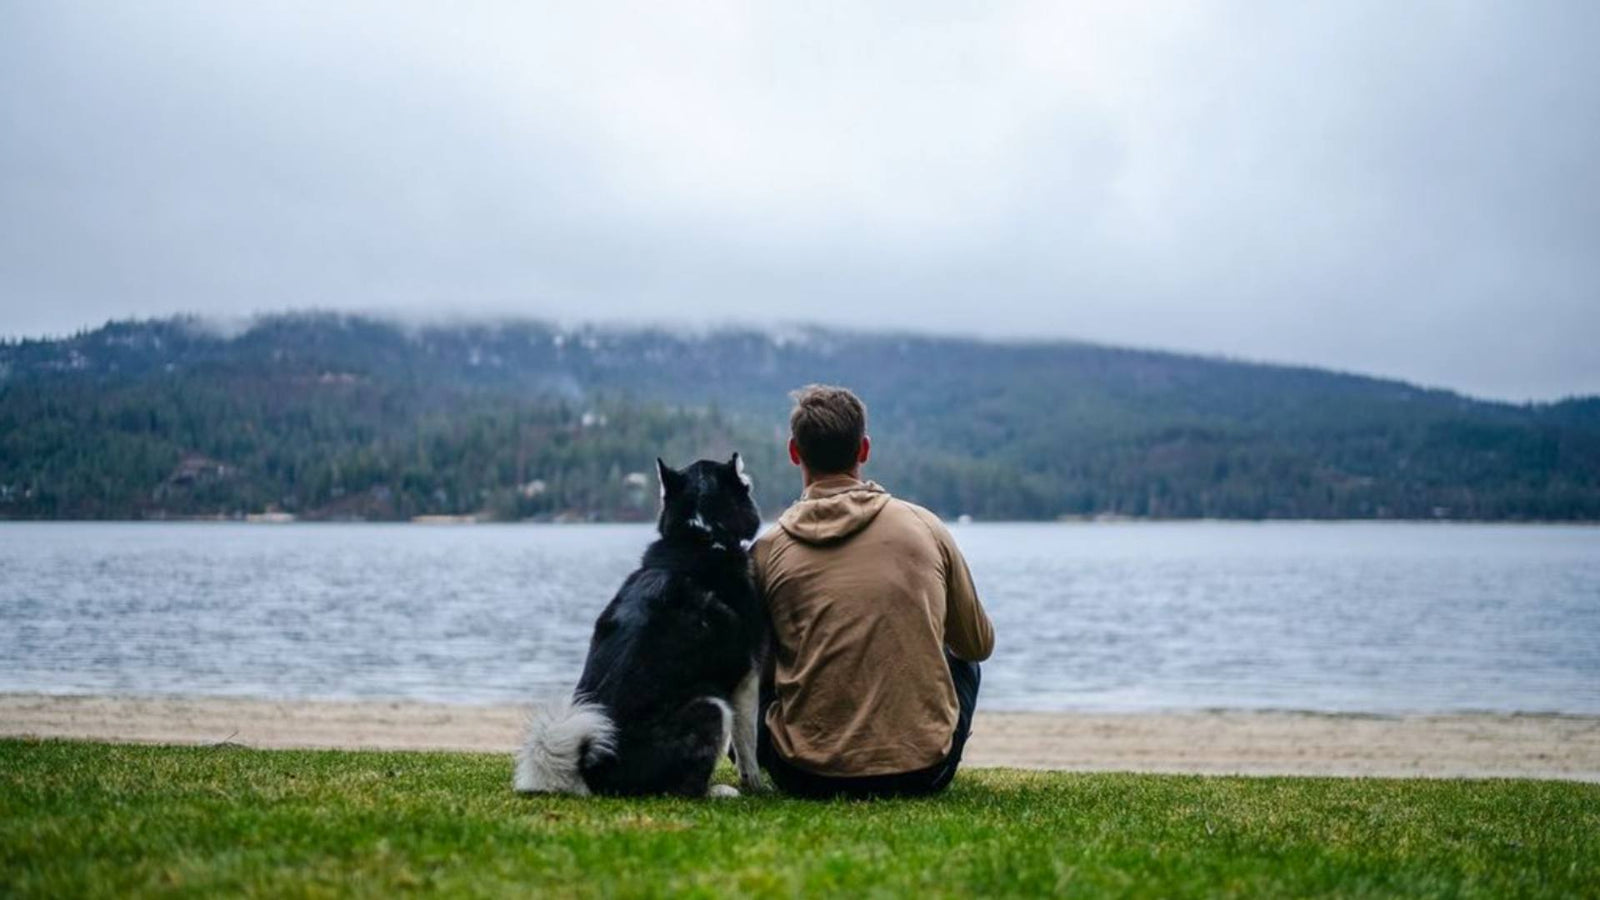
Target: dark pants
{"x":792,"y":779}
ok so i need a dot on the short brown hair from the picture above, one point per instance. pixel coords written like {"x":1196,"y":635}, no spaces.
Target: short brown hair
{"x":828,"y":424}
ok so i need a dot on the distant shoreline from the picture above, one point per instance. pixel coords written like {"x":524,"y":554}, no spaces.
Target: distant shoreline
{"x":1217,"y":742}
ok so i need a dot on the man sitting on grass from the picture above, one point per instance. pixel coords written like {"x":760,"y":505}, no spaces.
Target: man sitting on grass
{"x":878,"y":629}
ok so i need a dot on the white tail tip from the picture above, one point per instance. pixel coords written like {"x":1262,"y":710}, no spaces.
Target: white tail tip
{"x":563,"y":736}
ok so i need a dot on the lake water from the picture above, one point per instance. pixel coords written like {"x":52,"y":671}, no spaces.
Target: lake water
{"x":1369,"y":617}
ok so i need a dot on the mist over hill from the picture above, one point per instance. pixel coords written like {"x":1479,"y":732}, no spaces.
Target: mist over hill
{"x":337,"y":416}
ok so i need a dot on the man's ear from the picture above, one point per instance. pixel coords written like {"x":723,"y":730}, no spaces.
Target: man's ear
{"x":669,"y":478}
{"x":865,"y":451}
{"x":794,"y":451}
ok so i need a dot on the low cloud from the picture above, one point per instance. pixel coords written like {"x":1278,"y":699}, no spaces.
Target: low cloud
{"x":1406,"y":190}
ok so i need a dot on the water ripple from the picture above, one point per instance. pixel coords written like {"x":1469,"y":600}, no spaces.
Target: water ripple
{"x":1336,"y":617}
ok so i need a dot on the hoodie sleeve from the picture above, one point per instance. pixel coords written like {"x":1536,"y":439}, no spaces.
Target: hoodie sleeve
{"x":967,"y":630}
{"x":758,"y":571}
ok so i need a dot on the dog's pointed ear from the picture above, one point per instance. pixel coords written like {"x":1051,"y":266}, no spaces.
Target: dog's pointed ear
{"x":669,"y":478}
{"x":737,"y":465}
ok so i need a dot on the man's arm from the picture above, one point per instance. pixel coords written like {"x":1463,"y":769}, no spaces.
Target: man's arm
{"x":758,"y":574}
{"x":967,"y":630}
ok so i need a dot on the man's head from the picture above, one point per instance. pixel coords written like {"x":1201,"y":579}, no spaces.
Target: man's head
{"x":828,"y":431}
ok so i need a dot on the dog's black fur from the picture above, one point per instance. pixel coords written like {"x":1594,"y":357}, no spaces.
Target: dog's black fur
{"x":683,"y":635}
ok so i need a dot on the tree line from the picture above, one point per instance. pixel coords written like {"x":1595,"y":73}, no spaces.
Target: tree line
{"x":341,"y":417}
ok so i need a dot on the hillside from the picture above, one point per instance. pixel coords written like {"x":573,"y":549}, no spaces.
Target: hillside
{"x":332,"y":416}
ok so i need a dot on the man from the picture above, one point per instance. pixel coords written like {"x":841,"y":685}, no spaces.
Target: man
{"x":878,"y":630}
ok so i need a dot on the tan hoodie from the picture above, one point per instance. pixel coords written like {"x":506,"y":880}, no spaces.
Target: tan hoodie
{"x":865,"y":593}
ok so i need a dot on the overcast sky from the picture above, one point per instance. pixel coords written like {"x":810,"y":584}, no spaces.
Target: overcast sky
{"x":1400,"y":188}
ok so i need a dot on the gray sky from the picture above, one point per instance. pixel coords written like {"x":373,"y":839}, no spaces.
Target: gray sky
{"x":1406,"y":189}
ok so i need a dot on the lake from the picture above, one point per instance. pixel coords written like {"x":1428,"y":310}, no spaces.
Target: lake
{"x":1337,"y":617}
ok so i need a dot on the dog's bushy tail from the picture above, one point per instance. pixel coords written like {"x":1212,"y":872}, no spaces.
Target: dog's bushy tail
{"x":563,"y":737}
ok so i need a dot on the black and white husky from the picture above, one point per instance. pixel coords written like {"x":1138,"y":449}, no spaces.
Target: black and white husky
{"x":673,"y":666}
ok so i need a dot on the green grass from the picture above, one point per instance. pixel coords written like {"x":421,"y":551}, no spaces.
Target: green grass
{"x":83,"y":820}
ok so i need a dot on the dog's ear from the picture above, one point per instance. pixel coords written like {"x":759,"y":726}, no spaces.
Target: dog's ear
{"x":737,"y":465}
{"x":671,"y":480}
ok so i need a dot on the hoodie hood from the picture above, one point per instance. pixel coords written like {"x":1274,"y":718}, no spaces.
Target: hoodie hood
{"x":833,"y":508}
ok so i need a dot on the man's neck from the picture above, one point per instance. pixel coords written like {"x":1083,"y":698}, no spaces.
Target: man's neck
{"x":808,"y":478}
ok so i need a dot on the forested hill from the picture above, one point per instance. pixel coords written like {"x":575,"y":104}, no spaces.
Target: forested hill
{"x":332,"y":416}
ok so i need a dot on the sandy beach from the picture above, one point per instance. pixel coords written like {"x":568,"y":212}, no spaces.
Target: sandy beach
{"x":1256,"y":743}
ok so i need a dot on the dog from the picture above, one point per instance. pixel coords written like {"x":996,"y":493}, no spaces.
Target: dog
{"x":673,"y":668}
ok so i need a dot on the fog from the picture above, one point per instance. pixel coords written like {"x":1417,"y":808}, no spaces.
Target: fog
{"x":1401,"y":189}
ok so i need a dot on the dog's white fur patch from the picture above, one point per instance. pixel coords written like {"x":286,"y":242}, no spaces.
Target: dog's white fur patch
{"x":727,"y":721}
{"x":562,"y":736}
{"x":746,"y":719}
{"x":722,"y":790}
{"x":738,"y":468}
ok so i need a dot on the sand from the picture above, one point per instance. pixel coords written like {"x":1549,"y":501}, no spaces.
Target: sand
{"x":1255,"y":743}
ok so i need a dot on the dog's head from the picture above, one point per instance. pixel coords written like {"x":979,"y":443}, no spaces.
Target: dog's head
{"x":710,"y":499}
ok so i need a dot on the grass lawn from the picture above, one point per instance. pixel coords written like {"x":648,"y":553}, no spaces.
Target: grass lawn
{"x":82,"y":819}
